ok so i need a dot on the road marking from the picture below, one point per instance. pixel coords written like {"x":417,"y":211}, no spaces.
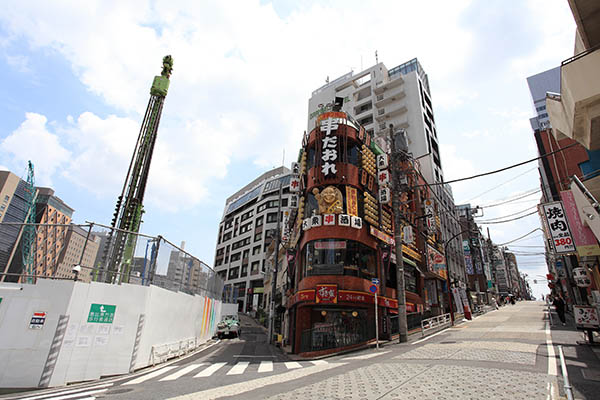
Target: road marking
{"x":78,"y":395}
{"x":58,"y":393}
{"x":319,"y":362}
{"x":552,"y":370}
{"x":265,"y":366}
{"x":429,"y":337}
{"x":210,"y":370}
{"x":246,"y":386}
{"x":181,"y":372}
{"x":292,"y":364}
{"x":238,"y":368}
{"x":365,"y":356}
{"x":151,"y":375}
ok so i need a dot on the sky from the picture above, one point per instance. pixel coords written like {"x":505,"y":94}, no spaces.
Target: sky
{"x":76,"y":80}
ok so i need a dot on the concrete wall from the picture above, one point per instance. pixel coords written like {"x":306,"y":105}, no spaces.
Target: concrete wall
{"x":91,"y":350}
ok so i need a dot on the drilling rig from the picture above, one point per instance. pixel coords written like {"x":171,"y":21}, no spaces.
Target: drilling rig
{"x":120,"y":246}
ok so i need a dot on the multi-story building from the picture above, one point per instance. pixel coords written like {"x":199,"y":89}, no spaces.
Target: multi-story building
{"x":574,"y":112}
{"x":71,"y":254}
{"x":560,"y":174}
{"x":50,"y":240}
{"x":475,"y":258}
{"x":248,"y":226}
{"x":401,"y":96}
{"x":13,"y":208}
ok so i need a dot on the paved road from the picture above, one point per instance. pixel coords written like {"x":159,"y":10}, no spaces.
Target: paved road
{"x":501,"y":355}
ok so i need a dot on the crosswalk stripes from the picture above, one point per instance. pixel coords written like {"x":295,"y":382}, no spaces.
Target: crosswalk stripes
{"x":210,"y":370}
{"x":182,"y":372}
{"x":86,"y":392}
{"x":265,"y":366}
{"x":292,"y":365}
{"x":238,"y":368}
{"x":151,"y":375}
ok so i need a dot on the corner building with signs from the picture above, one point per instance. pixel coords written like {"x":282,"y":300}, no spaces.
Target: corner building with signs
{"x":343,"y":240}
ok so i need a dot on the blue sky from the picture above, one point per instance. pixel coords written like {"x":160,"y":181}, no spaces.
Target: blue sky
{"x":76,"y":77}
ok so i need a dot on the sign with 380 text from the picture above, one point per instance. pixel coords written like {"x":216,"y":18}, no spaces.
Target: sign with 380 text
{"x":558,"y":227}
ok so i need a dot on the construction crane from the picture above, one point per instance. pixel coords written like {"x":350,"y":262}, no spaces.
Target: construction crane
{"x":28,"y":240}
{"x":120,"y":246}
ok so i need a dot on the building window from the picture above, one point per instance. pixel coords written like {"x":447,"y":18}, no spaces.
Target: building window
{"x":258,"y":236}
{"x":255,"y":250}
{"x":229,"y":224}
{"x":254,"y":268}
{"x":246,"y":228}
{"x":235,"y":257}
{"x":227,"y":236}
{"x":244,"y":271}
{"x":259,"y":221}
{"x":234,"y":272}
{"x":271,"y":217}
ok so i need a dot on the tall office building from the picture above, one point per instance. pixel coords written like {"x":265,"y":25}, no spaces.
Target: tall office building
{"x":401,"y":96}
{"x":50,"y":240}
{"x":248,"y":226}
{"x":13,"y":206}
{"x":76,"y":243}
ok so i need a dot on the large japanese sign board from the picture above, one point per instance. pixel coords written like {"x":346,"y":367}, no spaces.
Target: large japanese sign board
{"x":558,"y":228}
{"x":101,"y":313}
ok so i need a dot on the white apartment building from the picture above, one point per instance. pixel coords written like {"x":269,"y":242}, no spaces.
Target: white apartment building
{"x":378,"y":97}
{"x":248,"y":226}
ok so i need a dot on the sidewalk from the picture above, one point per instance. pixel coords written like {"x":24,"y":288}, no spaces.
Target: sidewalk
{"x":582,"y":360}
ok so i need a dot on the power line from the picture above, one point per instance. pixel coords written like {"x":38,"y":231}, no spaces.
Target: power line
{"x":509,"y":215}
{"x":520,"y":237}
{"x":508,"y":220}
{"x":502,"y":184}
{"x":502,"y":169}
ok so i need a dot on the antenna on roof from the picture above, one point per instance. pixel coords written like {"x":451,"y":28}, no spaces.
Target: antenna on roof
{"x":376,"y":58}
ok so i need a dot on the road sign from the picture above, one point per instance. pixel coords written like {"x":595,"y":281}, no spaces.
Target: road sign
{"x":37,"y":320}
{"x":102,"y":313}
{"x":373,"y":288}
{"x":375,"y":281}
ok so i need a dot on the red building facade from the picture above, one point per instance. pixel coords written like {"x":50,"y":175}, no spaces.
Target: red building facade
{"x":343,"y":240}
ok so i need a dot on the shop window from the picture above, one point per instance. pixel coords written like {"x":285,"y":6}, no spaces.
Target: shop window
{"x":410,"y":278}
{"x":340,"y":257}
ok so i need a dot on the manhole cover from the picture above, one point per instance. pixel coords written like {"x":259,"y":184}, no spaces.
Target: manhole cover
{"x":450,"y":342}
{"x":119,"y":391}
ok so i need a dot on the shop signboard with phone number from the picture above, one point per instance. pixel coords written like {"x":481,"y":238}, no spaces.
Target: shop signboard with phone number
{"x":558,"y":227}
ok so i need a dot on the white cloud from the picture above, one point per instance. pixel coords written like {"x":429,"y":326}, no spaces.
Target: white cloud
{"x":32,"y":141}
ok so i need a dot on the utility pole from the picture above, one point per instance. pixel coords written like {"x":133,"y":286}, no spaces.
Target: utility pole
{"x":398,"y":156}
{"x":276,"y":267}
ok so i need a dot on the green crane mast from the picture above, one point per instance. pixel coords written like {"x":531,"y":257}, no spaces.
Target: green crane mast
{"x":120,"y":246}
{"x":28,"y":241}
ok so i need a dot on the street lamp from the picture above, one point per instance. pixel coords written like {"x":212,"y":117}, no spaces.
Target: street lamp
{"x":76,"y":270}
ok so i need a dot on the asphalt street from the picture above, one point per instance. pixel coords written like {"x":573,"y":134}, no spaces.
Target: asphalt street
{"x":504,"y":354}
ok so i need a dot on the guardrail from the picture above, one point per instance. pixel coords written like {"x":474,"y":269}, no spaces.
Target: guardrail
{"x":435,"y":322}
{"x":163,"y":352}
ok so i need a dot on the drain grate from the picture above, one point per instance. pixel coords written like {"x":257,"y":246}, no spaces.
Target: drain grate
{"x":449,"y":342}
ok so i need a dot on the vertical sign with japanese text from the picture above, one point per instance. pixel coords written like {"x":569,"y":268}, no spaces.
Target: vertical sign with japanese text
{"x":329,"y":153}
{"x":351,"y":201}
{"x":558,"y":227}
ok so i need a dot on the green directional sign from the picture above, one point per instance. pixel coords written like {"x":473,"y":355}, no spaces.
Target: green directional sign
{"x":102,"y":313}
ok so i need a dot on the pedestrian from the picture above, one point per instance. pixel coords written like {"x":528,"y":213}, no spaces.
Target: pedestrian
{"x":512,"y":300}
{"x":559,"y":305}
{"x":494,"y":303}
